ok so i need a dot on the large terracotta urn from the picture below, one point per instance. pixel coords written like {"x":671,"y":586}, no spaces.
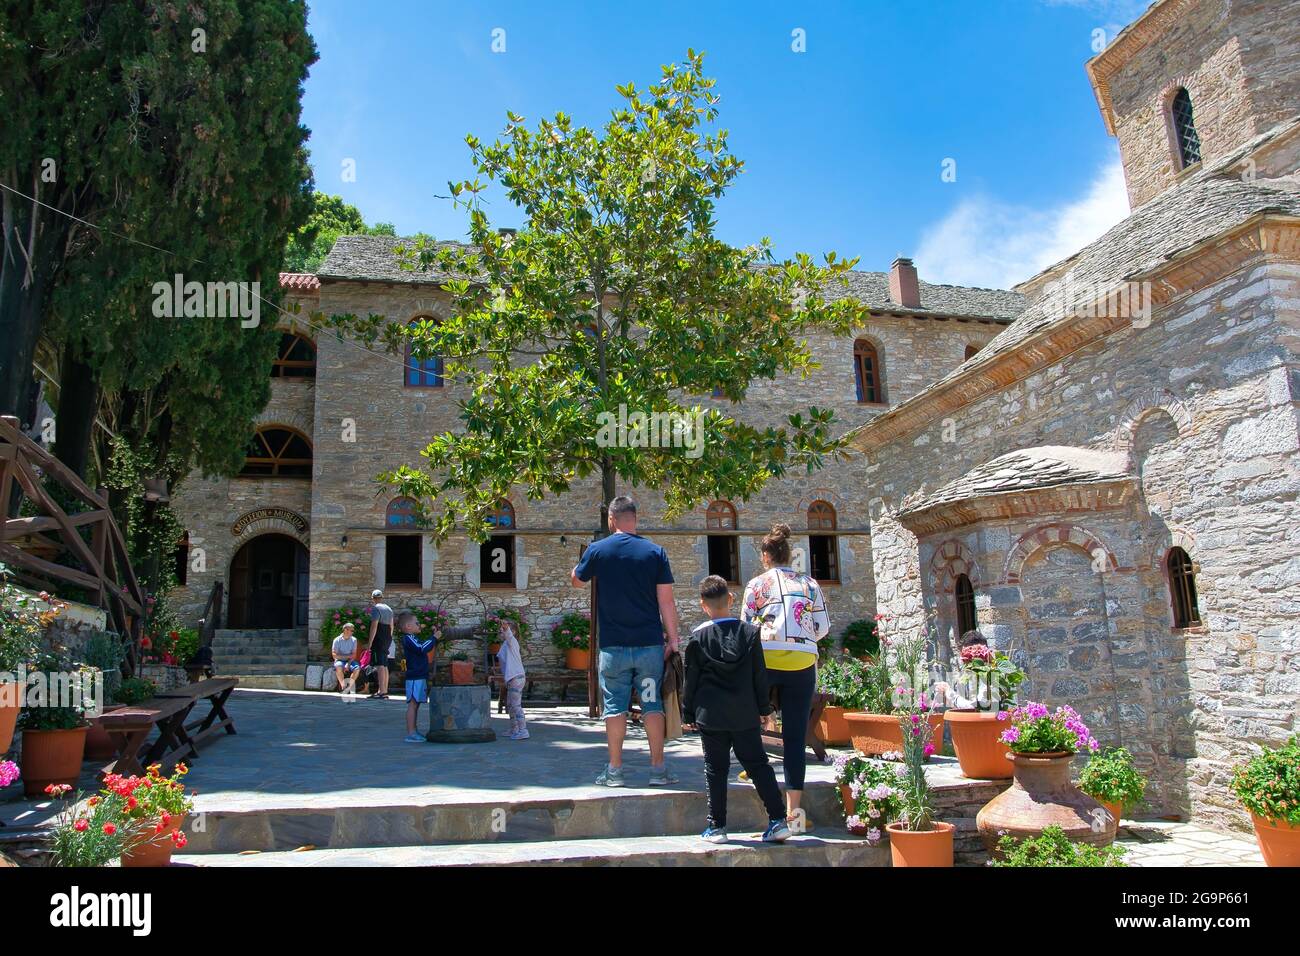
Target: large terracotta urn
{"x":1041,"y":795}
{"x":876,"y":734}
{"x":976,"y":736}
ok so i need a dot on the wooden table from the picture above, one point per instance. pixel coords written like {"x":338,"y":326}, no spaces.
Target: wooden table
{"x":129,"y":727}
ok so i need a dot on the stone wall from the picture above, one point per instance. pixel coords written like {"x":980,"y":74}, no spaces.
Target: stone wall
{"x":1204,"y":401}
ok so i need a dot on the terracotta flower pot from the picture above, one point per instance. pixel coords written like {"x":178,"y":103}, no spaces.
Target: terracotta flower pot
{"x":10,"y":704}
{"x":494,"y":648}
{"x":831,"y":728}
{"x":157,"y":850}
{"x":1041,"y":796}
{"x":51,"y":756}
{"x":876,"y":734}
{"x":1279,"y":841}
{"x":922,"y":848}
{"x":1116,"y":810}
{"x":462,"y":672}
{"x":577,"y":659}
{"x":975,"y":738}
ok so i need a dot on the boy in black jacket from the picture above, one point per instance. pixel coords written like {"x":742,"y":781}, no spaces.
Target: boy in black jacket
{"x":726,"y":697}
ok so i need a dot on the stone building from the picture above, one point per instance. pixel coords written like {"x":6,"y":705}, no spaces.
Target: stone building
{"x":1109,"y":488}
{"x":306,"y":528}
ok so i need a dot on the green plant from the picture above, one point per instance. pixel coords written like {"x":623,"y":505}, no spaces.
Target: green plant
{"x":459,"y":656}
{"x":1268,"y":784}
{"x":134,"y":690}
{"x":23,"y":620}
{"x":848,"y":682}
{"x":1112,"y":777}
{"x":917,"y":810}
{"x":104,"y":650}
{"x":91,"y":832}
{"x":152,"y":797}
{"x":572,"y":632}
{"x":873,"y":794}
{"x":1036,"y":730}
{"x":1054,"y":848}
{"x":433,"y":620}
{"x":186,"y":645}
{"x":332,"y":626}
{"x":492,"y":625}
{"x":861,"y":638}
{"x":994,"y":676}
{"x":62,"y":717}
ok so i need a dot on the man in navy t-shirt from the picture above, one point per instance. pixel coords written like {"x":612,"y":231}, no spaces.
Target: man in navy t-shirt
{"x":634,"y":609}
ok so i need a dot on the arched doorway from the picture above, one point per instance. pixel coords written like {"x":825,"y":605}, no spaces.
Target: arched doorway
{"x":268,"y":584}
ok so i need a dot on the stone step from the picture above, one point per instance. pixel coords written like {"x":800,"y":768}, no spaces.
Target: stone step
{"x":745,"y":849}
{"x":235,"y":668}
{"x":266,"y":681}
{"x":294,"y":642}
{"x":239,"y":660}
{"x":620,"y":814}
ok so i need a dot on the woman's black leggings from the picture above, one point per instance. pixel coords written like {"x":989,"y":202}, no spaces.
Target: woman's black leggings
{"x":795,"y":689}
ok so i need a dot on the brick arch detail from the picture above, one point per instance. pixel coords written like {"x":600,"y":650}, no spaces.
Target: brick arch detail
{"x":272,"y":526}
{"x":800,"y":513}
{"x":951,"y":559}
{"x":1175,"y":538}
{"x":1048,"y":535}
{"x":1147,"y":403}
{"x":1163,"y":106}
{"x":287,"y":419}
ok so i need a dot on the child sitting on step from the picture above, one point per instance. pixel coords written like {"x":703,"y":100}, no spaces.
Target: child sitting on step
{"x":512,"y":674}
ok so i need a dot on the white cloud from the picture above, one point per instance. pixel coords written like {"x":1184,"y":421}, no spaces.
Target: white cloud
{"x":987,"y":242}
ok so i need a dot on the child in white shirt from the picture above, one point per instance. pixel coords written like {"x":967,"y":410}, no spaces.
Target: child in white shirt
{"x":512,"y":672}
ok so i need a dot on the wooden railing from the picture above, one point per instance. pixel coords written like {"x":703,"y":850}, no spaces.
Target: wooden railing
{"x":210,"y":621}
{"x":30,"y":545}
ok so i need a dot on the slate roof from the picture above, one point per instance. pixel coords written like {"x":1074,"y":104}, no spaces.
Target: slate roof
{"x":1028,"y":469}
{"x":372,"y":259}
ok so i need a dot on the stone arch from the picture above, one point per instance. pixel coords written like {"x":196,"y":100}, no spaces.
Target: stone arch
{"x":799,"y":517}
{"x":253,"y":524}
{"x":951,"y":559}
{"x":1146,"y":403}
{"x":287,"y":419}
{"x":1163,"y":106}
{"x":1052,"y":534}
{"x":1174,"y":537}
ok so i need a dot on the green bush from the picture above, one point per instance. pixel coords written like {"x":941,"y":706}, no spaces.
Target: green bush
{"x":186,"y":645}
{"x":1054,"y":848}
{"x":847,"y":680}
{"x":335,"y":617}
{"x":492,"y":625}
{"x":572,"y":632}
{"x":861,"y":638}
{"x":1268,"y":784}
{"x":134,"y":690}
{"x":1112,"y":777}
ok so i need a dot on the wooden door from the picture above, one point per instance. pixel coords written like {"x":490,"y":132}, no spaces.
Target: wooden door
{"x":239,"y":587}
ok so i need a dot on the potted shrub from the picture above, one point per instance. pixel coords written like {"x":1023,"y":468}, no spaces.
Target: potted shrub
{"x":572,"y":634}
{"x":491,"y":628}
{"x":844,"y":680}
{"x":1268,"y":786}
{"x":874,"y":728}
{"x":92,"y":832}
{"x":988,"y":682}
{"x":861,"y":639}
{"x":158,"y":805}
{"x":1112,"y":779}
{"x":868,"y":795}
{"x":23,"y":620}
{"x":462,"y":668}
{"x":54,"y":743}
{"x":916,"y":838}
{"x":1043,"y":742}
{"x":1055,"y":849}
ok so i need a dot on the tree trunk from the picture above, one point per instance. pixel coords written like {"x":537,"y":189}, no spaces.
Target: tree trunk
{"x":28,"y":250}
{"x":78,"y":406}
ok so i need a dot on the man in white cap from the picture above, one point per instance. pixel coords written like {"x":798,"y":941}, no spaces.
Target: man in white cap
{"x":381,"y":640}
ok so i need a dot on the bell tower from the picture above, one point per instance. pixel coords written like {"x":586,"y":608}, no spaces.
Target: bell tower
{"x":1190,"y":81}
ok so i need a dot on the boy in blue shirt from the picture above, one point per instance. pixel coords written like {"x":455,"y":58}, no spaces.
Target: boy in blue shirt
{"x":419,"y":652}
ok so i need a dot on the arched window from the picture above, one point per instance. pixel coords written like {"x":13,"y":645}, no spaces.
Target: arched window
{"x":867,"y":373}
{"x":421,"y":373}
{"x":967,"y":620}
{"x":1182,"y":588}
{"x":823,"y":545}
{"x":971,"y":352}
{"x":277,"y":452}
{"x":497,"y":553}
{"x":295,"y":359}
{"x":401,"y":513}
{"x":1185,"y":135}
{"x":724,"y":547}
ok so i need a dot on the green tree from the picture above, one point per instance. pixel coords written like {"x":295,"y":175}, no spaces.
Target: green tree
{"x":330,"y":218}
{"x":176,"y":126}
{"x":615,"y":293}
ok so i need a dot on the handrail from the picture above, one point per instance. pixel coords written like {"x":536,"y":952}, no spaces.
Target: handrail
{"x":210,"y":621}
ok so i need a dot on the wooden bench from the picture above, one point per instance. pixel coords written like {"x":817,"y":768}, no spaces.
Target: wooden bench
{"x":562,"y":677}
{"x":216,"y":691}
{"x":129,"y":727}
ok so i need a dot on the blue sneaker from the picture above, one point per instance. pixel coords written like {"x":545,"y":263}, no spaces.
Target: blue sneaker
{"x":661,"y":777}
{"x":778,"y":831}
{"x":611,"y":777}
{"x":414,"y":739}
{"x":715,"y":835}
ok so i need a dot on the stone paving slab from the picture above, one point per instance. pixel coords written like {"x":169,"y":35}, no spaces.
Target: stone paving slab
{"x":1161,"y":843}
{"x":743,"y":850}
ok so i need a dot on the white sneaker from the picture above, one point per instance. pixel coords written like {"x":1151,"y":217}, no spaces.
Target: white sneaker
{"x":521,"y":734}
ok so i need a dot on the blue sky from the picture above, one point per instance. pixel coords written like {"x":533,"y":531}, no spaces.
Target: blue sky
{"x":844,"y":144}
